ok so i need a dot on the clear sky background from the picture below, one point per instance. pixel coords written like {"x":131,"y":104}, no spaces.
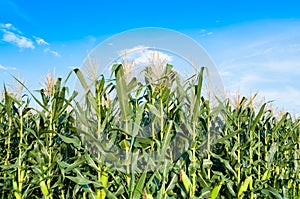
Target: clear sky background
{"x":255,"y":44}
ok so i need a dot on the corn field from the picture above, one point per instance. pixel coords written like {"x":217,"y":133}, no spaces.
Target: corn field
{"x":46,"y":153}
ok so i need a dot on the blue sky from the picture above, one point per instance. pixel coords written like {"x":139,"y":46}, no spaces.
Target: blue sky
{"x":255,"y":44}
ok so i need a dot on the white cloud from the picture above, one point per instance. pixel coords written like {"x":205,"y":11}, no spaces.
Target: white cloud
{"x":9,"y":26}
{"x":260,"y":57}
{"x":40,"y":41}
{"x":54,"y":53}
{"x":141,"y":55}
{"x":3,"y":67}
{"x":12,"y":35}
{"x":16,"y":39}
{"x":244,"y":82}
{"x":7,"y":67}
{"x":204,"y":33}
{"x":131,"y":50}
{"x":147,"y":56}
{"x":6,"y":25}
{"x":287,"y":98}
{"x":225,"y":73}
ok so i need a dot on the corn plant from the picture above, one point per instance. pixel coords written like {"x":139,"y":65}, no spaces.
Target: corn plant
{"x":119,"y":142}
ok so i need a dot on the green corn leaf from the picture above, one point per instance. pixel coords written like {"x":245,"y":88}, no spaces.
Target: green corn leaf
{"x":229,"y":185}
{"x":205,"y":192}
{"x":216,"y":190}
{"x":44,"y":188}
{"x":138,"y":190}
{"x":225,"y":162}
{"x":33,"y":96}
{"x":186,"y":181}
{"x":198,"y":95}
{"x":83,"y":181}
{"x":258,"y":116}
{"x":90,"y":161}
{"x":231,"y":135}
{"x":271,"y":193}
{"x":172,"y":183}
{"x":110,"y":195}
{"x":265,"y":175}
{"x":244,"y":186}
{"x":81,"y":78}
{"x":154,"y":110}
{"x":271,"y":152}
{"x":70,"y":167}
{"x":138,"y":120}
{"x":122,"y":92}
{"x":74,"y":140}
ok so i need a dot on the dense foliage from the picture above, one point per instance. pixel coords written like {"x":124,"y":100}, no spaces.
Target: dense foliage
{"x":43,"y":155}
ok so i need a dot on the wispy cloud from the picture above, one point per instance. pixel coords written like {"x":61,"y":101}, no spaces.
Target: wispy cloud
{"x":9,"y":26}
{"x":131,"y":50}
{"x":204,"y":33}
{"x":2,"y":67}
{"x":225,"y":73}
{"x":290,"y":101}
{"x":40,"y":41}
{"x":18,"y":40}
{"x":13,"y":36}
{"x":141,"y":55}
{"x":54,"y":53}
{"x":260,"y":57}
{"x":146,"y":56}
{"x":7,"y":67}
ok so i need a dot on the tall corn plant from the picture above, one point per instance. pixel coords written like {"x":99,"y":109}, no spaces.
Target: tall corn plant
{"x":94,"y":119}
{"x":51,"y":122}
{"x":252,"y":153}
{"x":30,"y":142}
{"x":16,"y":142}
{"x":53,"y":151}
